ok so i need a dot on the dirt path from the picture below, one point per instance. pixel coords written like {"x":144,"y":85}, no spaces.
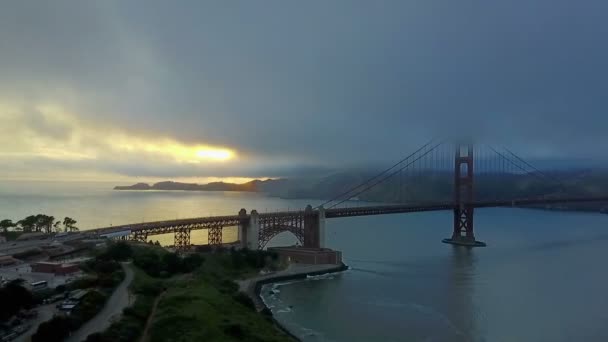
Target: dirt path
{"x":113,"y":309}
{"x":145,"y":336}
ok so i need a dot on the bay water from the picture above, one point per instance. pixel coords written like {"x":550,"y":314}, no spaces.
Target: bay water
{"x":541,"y":278}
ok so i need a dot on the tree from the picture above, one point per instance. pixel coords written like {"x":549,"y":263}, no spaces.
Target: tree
{"x":148,"y":260}
{"x":55,"y":330}
{"x":44,"y":222}
{"x":28,"y":224}
{"x":6,"y":224}
{"x":172,"y":262}
{"x":191,"y":262}
{"x":69,"y":223}
{"x":13,"y":297}
{"x":56,"y":226}
{"x":119,"y":251}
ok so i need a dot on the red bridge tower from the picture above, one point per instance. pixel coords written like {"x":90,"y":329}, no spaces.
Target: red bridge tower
{"x":463,"y":234}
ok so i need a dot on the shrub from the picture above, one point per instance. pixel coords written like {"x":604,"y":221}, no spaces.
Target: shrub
{"x":55,"y":330}
{"x":148,"y":260}
{"x":235,"y":330}
{"x":83,"y":283}
{"x":13,"y":297}
{"x":89,"y":306}
{"x":191,"y":262}
{"x":228,"y":286}
{"x":119,"y":251}
{"x":244,"y":299}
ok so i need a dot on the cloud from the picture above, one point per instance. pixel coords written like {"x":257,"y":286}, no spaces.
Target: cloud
{"x":43,"y":125}
{"x":48,"y":139}
{"x":315,"y":86}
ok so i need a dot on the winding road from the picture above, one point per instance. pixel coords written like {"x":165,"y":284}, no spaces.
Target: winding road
{"x":112,"y":310}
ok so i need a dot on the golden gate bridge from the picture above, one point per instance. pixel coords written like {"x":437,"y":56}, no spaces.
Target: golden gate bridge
{"x":464,"y":178}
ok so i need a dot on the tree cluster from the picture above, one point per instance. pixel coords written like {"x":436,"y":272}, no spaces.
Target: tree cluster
{"x":164,"y":264}
{"x":40,"y":223}
{"x":156,"y":262}
{"x":14,"y":297}
{"x":253,"y":259}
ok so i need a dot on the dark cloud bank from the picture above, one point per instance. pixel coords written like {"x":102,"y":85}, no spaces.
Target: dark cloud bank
{"x":322,"y":83}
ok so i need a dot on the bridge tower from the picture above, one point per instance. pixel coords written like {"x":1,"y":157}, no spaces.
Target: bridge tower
{"x":314,"y":227}
{"x":252,"y":231}
{"x":242,"y":228}
{"x":463,"y":233}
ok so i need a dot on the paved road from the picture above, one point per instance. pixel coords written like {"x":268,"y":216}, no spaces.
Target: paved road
{"x":45,"y":313}
{"x":111,"y":311}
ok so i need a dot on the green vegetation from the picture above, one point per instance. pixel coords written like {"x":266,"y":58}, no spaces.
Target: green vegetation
{"x":36,"y":223}
{"x":55,"y":330}
{"x":14,"y":297}
{"x":11,"y":235}
{"x":207,"y":306}
{"x":6,"y":224}
{"x":157,"y":262}
{"x":152,"y":259}
{"x":153,"y":265}
{"x":134,"y":318}
{"x":199,"y":299}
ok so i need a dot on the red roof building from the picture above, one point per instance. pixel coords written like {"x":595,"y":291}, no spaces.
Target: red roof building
{"x":55,"y":268}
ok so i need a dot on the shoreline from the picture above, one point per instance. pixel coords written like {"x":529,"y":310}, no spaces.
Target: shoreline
{"x":253,"y":286}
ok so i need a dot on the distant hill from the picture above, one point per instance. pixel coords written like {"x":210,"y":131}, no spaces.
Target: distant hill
{"x":417,"y":187}
{"x":215,"y":186}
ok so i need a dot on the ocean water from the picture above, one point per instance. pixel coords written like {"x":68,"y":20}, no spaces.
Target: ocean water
{"x":95,"y":205}
{"x":541,"y":278}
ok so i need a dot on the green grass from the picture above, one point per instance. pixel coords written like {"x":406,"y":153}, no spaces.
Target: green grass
{"x":145,"y":284}
{"x":195,"y":310}
{"x":202,"y":307}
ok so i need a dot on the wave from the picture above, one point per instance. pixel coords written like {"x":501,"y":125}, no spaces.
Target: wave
{"x":321,"y":277}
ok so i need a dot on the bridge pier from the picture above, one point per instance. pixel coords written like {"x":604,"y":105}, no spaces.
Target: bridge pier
{"x":139,"y":237}
{"x":181,"y":239}
{"x":214,"y":235}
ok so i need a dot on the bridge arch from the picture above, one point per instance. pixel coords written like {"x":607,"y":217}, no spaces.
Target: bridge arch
{"x":269,"y":232}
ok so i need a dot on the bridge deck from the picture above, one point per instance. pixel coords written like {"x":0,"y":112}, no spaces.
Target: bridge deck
{"x":161,"y":227}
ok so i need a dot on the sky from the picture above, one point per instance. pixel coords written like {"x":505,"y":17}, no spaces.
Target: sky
{"x":136,"y":90}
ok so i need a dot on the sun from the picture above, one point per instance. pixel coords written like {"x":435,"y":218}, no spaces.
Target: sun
{"x":214,"y":154}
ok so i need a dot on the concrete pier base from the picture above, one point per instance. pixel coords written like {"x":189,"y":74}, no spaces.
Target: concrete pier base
{"x":464,"y":242}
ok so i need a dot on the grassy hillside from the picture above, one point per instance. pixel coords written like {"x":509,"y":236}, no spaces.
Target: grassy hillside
{"x":206,"y":305}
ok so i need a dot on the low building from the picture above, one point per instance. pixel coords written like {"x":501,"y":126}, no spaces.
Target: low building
{"x":7,"y":260}
{"x":2,"y":239}
{"x":55,"y":268}
{"x":312,"y":256}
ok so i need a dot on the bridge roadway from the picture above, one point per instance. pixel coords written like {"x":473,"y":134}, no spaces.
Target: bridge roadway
{"x":170,"y":226}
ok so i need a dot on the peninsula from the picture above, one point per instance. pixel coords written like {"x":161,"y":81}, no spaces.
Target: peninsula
{"x":252,"y":186}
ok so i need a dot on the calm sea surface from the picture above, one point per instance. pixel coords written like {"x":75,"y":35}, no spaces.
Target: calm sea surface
{"x":543,"y":276}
